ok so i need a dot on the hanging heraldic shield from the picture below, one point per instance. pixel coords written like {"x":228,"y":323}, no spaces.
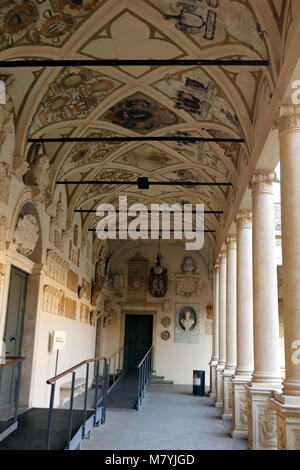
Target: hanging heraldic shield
{"x":158,"y":283}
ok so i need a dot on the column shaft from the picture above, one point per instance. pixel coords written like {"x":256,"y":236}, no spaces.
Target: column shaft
{"x":287,"y":405}
{"x":262,"y":426}
{"x":244,"y":368}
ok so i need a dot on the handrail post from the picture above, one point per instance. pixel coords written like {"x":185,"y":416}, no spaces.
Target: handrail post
{"x":139,"y":389}
{"x":50,"y":416}
{"x":96,"y":393}
{"x":17,"y":390}
{"x":71,"y":410}
{"x":85,"y":398}
{"x":105,"y":388}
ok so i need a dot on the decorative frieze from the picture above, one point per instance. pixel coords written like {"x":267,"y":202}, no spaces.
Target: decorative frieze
{"x":56,"y":267}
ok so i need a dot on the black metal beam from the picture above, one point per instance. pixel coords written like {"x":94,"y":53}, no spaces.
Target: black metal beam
{"x":146,"y":184}
{"x":134,"y":139}
{"x":117,"y":211}
{"x":132,"y":63}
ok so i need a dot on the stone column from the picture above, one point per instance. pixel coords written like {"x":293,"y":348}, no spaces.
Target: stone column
{"x":244,"y":366}
{"x":222,"y":328}
{"x":262,"y":428}
{"x":288,"y":404}
{"x":230,"y":327}
{"x":215,"y":351}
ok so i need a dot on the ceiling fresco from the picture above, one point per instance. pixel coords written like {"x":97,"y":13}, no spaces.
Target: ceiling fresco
{"x":42,"y":22}
{"x":141,"y":101}
{"x":90,"y":153}
{"x":141,"y":114}
{"x":148,"y":158}
{"x":74,"y":94}
{"x":194,"y":92}
{"x":211,"y":22}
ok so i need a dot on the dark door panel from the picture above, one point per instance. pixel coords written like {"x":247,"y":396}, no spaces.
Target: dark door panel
{"x":138,"y":338}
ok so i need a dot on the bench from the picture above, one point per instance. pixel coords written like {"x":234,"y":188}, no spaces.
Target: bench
{"x":65,"y":390}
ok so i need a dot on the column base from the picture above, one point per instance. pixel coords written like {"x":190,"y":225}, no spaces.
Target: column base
{"x":262,"y":423}
{"x":219,"y":393}
{"x":287,"y":409}
{"x":240,"y":406}
{"x":228,"y":374}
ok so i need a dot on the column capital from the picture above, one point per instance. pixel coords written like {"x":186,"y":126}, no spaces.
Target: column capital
{"x":263,"y":182}
{"x":289,"y":118}
{"x":222,"y":257}
{"x":231,"y":241}
{"x":244,"y":219}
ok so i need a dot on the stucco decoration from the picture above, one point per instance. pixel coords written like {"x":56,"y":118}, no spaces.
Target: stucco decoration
{"x":187,"y":285}
{"x":26,"y":234}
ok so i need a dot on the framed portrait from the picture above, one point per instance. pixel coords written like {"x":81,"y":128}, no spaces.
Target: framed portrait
{"x":187,"y":328}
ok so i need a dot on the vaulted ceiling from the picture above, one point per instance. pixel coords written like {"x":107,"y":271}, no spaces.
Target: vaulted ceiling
{"x":143,"y":101}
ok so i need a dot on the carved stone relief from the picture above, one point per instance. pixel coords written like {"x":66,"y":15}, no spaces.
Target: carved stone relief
{"x":5,"y":178}
{"x":53,"y":300}
{"x":119,"y":284}
{"x":70,"y":308}
{"x":56,"y":267}
{"x":84,"y":313}
{"x":72,"y":280}
{"x":137,"y":278}
{"x":38,"y":174}
{"x":187,"y":286}
{"x":3,"y":231}
{"x":267,"y":426}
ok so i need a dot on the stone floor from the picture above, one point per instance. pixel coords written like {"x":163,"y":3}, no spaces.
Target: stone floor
{"x":170,"y":418}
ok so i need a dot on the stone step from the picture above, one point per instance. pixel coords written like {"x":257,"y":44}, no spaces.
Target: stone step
{"x":161,"y":382}
{"x":160,"y":377}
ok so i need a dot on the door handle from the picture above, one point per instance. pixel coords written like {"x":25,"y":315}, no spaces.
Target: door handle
{"x":12,"y":338}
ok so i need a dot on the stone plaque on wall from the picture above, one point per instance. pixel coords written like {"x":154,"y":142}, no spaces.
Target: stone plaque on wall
{"x":72,"y":280}
{"x":70,"y":308}
{"x":137,"y":278}
{"x":187,"y":319}
{"x":84,"y":313}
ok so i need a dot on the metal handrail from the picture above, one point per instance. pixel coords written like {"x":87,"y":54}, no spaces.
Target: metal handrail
{"x":77,"y":366}
{"x":144,"y":358}
{"x":97,"y":400}
{"x":144,"y":372}
{"x":11,"y":360}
